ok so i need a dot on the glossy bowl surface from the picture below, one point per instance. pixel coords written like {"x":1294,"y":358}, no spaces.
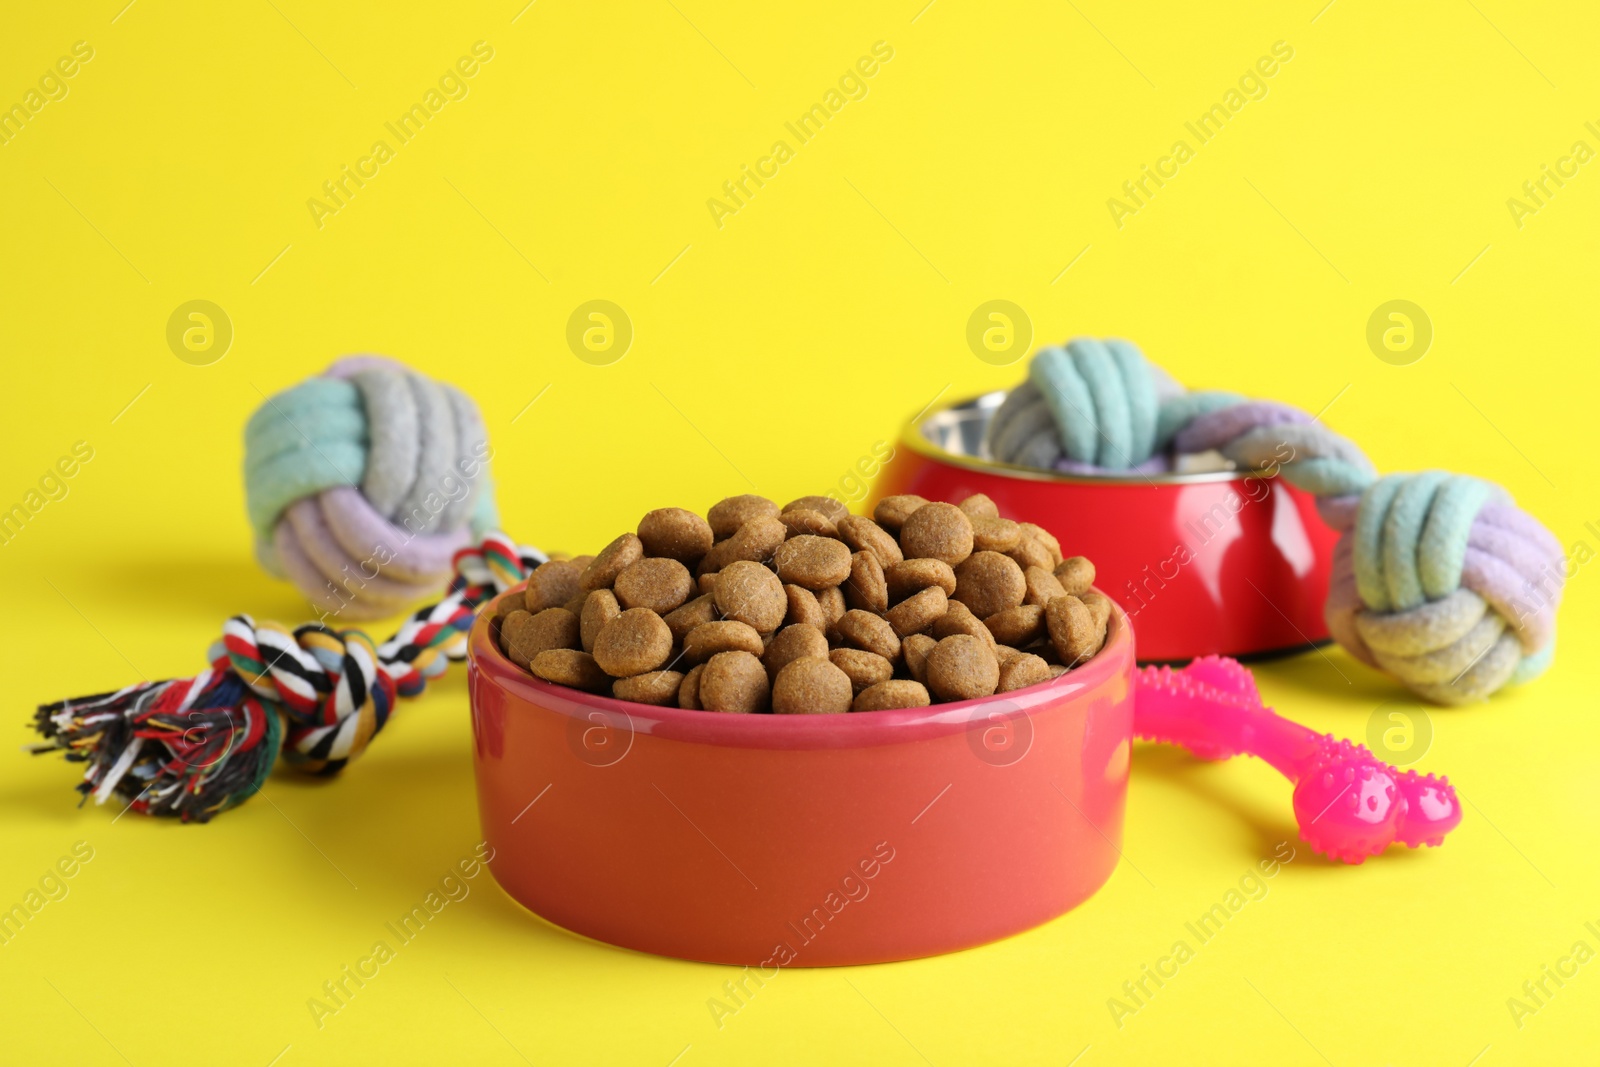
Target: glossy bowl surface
{"x":784,"y":840}
{"x":1205,"y":561}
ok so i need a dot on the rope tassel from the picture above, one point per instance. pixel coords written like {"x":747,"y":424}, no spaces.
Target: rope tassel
{"x":192,"y":747}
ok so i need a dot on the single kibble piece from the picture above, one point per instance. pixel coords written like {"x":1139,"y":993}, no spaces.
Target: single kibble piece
{"x":1045,"y":538}
{"x":988,"y":583}
{"x":865,"y":586}
{"x":995,"y":535}
{"x":915,"y":614}
{"x":734,"y":682}
{"x":750,"y":593}
{"x":1072,"y":629}
{"x":1030,"y":552}
{"x":689,"y":690}
{"x":869,"y":632}
{"x":1100,"y":606}
{"x":632,"y":643}
{"x":916,"y":649}
{"x":525,"y":636}
{"x":653,"y":687}
{"x":1057,"y":670}
{"x":805,"y":521}
{"x":812,"y":562}
{"x":1019,"y":672}
{"x":1043,"y":586}
{"x":551,"y":585}
{"x":811,"y":685}
{"x":755,"y":541}
{"x":1005,"y":654}
{"x":728,"y":515}
{"x":660,"y":584}
{"x":697,"y":612}
{"x":675,"y":534}
{"x":706,"y":584}
{"x":915,"y":575}
{"x":864,"y":668}
{"x":599,"y":607}
{"x":792,"y":643}
{"x":803,"y":608}
{"x":1018,"y":626}
{"x":979,"y":506}
{"x":581,"y":562}
{"x":831,"y":601}
{"x":893,"y":511}
{"x":1076,"y":575}
{"x":958,"y":619}
{"x":575,"y":605}
{"x":565,"y":666}
{"x":962,"y":667}
{"x":864,"y":535}
{"x":726,"y":635}
{"x":896,"y":693}
{"x":505,"y":605}
{"x":833,"y":509}
{"x":938,"y":531}
{"x":611,"y":561}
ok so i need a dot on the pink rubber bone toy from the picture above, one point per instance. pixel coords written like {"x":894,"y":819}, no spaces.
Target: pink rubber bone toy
{"x":1350,"y":805}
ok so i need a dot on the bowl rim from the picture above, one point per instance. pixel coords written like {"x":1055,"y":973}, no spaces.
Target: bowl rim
{"x":851,"y":729}
{"x":912,"y":437}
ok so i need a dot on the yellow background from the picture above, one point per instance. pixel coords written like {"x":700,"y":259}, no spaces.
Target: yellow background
{"x":774,"y":352}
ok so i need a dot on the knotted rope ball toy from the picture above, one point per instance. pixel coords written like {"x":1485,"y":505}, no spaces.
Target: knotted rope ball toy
{"x":1438,"y":579}
{"x":362,"y":483}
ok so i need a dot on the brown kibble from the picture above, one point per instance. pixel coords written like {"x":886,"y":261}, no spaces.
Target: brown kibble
{"x":979,"y":506}
{"x":706,"y":584}
{"x":755,"y":542}
{"x":1019,"y":626}
{"x":599,"y":607}
{"x":915,"y":614}
{"x":804,"y":608}
{"x":831,"y":601}
{"x":675,"y":533}
{"x":1057,"y":670}
{"x":866,"y":588}
{"x":864,"y":535}
{"x":792,"y":643}
{"x":892,"y":511}
{"x":728,"y":635}
{"x":551,"y":585}
{"x":1030,"y":552}
{"x":833,"y":510}
{"x":886,"y":696}
{"x":655,"y":687}
{"x":988,"y":583}
{"x":565,"y":666}
{"x":748,"y":592}
{"x":995,"y":535}
{"x":1020,"y":672}
{"x":727,"y":515}
{"x":805,"y":521}
{"x":575,"y":605}
{"x":1045,"y":538}
{"x":915,"y":575}
{"x":582,"y":562}
{"x":505,"y":605}
{"x":702,"y":609}
{"x":734,"y":682}
{"x":632,"y":643}
{"x":611,"y":561}
{"x":1005,"y":654}
{"x":811,"y":685}
{"x":524,"y":636}
{"x":1076,"y":575}
{"x":916,"y":649}
{"x":958,"y":619}
{"x":1042,"y":586}
{"x":938,"y":531}
{"x":872,"y":633}
{"x":961,"y":667}
{"x":864,"y":668}
{"x":1099,"y":605}
{"x":812,"y":562}
{"x":1072,"y":629}
{"x":660,"y":584}
{"x":689,"y":690}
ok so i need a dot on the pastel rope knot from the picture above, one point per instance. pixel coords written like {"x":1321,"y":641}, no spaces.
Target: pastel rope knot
{"x":1438,"y":579}
{"x":362,"y":483}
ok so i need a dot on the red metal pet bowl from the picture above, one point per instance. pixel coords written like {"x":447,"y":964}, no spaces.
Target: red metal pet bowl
{"x":1213,"y":561}
{"x":795,"y":840}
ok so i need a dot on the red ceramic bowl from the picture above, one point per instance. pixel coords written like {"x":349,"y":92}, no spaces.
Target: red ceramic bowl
{"x":1204,"y":562}
{"x":779,"y":840}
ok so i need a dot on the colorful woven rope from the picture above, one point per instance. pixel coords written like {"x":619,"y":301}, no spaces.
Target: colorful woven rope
{"x":1438,"y":579}
{"x":192,"y":747}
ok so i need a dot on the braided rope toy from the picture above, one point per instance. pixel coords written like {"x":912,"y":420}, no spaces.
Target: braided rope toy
{"x":363,"y":482}
{"x":1438,"y":579}
{"x":192,"y":747}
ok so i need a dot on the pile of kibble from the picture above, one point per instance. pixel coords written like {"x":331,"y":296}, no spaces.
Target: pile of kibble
{"x":809,"y":609}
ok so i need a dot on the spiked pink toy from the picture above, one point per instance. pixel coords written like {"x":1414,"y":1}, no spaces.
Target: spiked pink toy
{"x":1350,"y":804}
